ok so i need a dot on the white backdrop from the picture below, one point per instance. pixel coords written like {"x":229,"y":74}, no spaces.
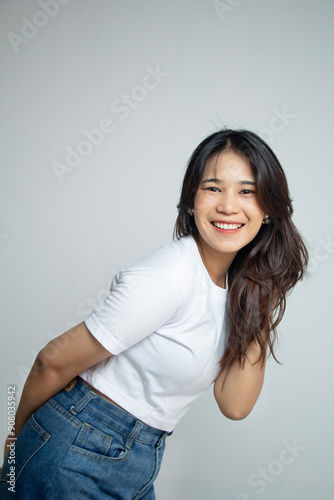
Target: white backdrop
{"x":102,"y":103}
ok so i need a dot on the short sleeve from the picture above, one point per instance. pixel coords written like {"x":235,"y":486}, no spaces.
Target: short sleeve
{"x":139,"y":303}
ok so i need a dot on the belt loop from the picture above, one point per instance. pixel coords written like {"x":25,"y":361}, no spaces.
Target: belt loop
{"x":137,"y":428}
{"x":82,"y":403}
{"x":162,"y":438}
{"x":70,"y":386}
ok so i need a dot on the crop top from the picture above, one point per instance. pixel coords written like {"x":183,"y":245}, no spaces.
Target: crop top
{"x":166,"y":324}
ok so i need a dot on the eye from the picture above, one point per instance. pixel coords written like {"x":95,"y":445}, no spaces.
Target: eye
{"x":248,"y":191}
{"x":212,"y":188}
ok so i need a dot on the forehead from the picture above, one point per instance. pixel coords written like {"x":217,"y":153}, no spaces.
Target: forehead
{"x":228,"y":164}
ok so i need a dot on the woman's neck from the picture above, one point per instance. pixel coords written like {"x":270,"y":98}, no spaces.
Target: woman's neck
{"x":216,"y":263}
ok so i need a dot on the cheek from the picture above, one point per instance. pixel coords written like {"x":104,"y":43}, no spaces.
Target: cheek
{"x":201,"y":201}
{"x":197,"y":199}
{"x":254,"y":212}
{"x":258,"y":221}
{"x":261,"y":215}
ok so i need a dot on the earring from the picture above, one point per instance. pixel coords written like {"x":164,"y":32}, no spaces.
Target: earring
{"x":266,"y":220}
{"x":190,"y":211}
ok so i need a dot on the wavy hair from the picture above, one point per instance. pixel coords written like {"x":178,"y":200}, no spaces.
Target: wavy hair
{"x":266,"y":269}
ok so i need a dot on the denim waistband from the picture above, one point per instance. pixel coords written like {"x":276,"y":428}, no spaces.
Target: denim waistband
{"x":81,"y":397}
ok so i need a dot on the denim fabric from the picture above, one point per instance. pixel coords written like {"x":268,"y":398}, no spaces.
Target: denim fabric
{"x":78,"y":446}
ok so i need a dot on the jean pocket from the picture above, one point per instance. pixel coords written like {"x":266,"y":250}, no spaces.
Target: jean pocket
{"x":95,"y":443}
{"x":31,"y":439}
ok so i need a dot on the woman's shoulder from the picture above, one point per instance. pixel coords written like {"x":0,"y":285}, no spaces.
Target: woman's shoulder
{"x":170,"y":271}
{"x":169,"y":259}
{"x":172,"y":267}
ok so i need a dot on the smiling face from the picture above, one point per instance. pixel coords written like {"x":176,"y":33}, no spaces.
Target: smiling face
{"x":226,"y":211}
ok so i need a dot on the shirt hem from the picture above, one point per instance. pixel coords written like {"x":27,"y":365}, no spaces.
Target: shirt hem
{"x":135,"y":410}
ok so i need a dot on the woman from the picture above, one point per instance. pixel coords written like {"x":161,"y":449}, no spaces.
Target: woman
{"x":101,"y":398}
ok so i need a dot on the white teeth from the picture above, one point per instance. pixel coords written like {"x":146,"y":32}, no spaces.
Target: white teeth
{"x":226,"y":226}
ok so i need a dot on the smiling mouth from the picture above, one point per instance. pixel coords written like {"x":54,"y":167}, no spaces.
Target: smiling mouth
{"x":221,"y":225}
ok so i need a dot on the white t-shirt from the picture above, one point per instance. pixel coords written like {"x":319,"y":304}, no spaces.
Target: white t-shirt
{"x":166,"y":323}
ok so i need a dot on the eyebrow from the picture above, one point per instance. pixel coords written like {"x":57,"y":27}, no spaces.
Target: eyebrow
{"x":219,"y":181}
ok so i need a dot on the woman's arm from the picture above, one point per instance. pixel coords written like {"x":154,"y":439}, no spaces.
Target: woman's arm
{"x":56,"y":365}
{"x":237,"y":388}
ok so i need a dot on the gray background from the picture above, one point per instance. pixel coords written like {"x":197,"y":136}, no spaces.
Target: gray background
{"x":266,"y":65}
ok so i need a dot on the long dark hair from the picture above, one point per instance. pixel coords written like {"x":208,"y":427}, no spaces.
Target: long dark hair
{"x":265,"y":270}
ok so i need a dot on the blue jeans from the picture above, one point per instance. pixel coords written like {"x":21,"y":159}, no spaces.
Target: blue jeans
{"x":78,"y":446}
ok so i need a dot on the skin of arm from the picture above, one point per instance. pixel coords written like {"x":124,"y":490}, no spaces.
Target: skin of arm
{"x":55,"y":366}
{"x":237,"y":388}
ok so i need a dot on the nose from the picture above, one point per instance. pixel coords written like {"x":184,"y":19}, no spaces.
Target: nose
{"x":228,"y":203}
